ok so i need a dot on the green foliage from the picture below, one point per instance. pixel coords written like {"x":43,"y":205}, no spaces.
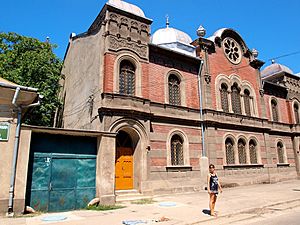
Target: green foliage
{"x":29,"y":62}
{"x":104,"y":207}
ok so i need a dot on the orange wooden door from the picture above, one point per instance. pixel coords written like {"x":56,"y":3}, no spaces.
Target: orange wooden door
{"x":124,"y":168}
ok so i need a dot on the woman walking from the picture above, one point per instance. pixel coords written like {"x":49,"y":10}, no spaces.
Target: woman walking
{"x":213,"y":187}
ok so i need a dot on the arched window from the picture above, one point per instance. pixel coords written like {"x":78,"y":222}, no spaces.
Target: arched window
{"x":236,"y":99}
{"x":242,"y":151}
{"x":247,"y":102}
{"x":177,"y":150}
{"x":229,"y":151}
{"x":174,"y":90}
{"x":253,"y":152}
{"x":274,"y":110}
{"x":127,"y":78}
{"x":224,"y":97}
{"x":280,"y":152}
{"x":296,"y":112}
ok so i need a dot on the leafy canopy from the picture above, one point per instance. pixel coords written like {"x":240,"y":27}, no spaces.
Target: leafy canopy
{"x":29,"y":62}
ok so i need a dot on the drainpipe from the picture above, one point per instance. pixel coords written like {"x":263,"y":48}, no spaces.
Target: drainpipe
{"x":16,"y":148}
{"x":15,"y":153}
{"x":201,"y":108}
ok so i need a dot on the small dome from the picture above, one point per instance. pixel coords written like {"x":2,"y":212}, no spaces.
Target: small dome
{"x":275,"y":68}
{"x":127,"y":7}
{"x":170,"y":35}
{"x":174,"y":39}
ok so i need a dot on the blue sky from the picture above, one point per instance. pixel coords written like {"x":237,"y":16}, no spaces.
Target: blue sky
{"x":270,"y":26}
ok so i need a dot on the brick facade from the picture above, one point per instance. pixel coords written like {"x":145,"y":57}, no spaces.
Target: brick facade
{"x":151,"y":121}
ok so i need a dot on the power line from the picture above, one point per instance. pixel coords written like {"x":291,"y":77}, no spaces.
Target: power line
{"x":285,"y":55}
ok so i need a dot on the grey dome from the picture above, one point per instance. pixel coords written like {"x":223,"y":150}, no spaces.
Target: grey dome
{"x":275,"y":68}
{"x":125,"y":6}
{"x":174,"y":39}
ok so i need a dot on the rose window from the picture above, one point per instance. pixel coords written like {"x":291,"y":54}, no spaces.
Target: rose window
{"x":232,"y":50}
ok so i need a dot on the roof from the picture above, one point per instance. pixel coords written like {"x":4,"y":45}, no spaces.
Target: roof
{"x":7,"y":89}
{"x":174,"y":39}
{"x":9,"y":84}
{"x":125,"y":6}
{"x":275,"y":68}
{"x":224,"y":32}
{"x":2,"y":80}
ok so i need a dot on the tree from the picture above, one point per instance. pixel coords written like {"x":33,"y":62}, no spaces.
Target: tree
{"x":29,"y":62}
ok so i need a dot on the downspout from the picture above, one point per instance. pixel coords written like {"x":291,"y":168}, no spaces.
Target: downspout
{"x":15,"y":153}
{"x":201,"y":108}
{"x":16,"y":148}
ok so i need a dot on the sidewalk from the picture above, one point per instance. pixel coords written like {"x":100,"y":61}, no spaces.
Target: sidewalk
{"x":183,"y":208}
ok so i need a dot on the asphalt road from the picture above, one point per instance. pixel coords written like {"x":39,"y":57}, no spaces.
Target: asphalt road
{"x":288,"y":217}
{"x":283,"y":214}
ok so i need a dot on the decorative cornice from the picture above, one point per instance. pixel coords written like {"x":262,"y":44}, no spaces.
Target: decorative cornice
{"x":212,"y":118}
{"x":256,"y":64}
{"x":119,"y":43}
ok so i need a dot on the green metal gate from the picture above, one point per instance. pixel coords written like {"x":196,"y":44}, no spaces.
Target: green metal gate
{"x":59,"y":180}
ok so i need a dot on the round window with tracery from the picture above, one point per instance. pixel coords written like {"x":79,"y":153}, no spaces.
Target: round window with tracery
{"x":232,"y":50}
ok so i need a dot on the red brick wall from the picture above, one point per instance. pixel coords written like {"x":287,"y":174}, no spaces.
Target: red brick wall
{"x":194,"y":148}
{"x":158,"y":83}
{"x":158,"y":161}
{"x":109,"y":60}
{"x":283,"y":109}
{"x":109,"y":63}
{"x":164,"y":129}
{"x":219,"y":64}
{"x":220,"y":147}
{"x":145,"y":80}
{"x":288,"y":144}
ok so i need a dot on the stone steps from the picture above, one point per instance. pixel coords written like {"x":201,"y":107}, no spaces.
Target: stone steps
{"x":129,"y":195}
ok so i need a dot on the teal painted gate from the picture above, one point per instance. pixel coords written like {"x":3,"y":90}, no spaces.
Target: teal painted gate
{"x":59,"y":180}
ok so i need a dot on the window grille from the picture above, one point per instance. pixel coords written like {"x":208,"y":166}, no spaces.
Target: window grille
{"x":247,"y":102}
{"x":224,"y":98}
{"x":236,"y":99}
{"x":127,"y":78}
{"x":274,"y":110}
{"x":280,"y":152}
{"x":242,"y":152}
{"x":177,"y":150}
{"x":174,"y":90}
{"x":253,"y":153}
{"x":229,"y":151}
{"x":296,"y":112}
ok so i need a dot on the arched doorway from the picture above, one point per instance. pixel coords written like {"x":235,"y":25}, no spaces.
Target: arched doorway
{"x":124,"y":162}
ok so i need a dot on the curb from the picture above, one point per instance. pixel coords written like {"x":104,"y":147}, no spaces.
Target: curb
{"x":245,"y":211}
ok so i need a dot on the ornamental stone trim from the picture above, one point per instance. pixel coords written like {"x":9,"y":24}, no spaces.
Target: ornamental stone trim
{"x":117,"y":44}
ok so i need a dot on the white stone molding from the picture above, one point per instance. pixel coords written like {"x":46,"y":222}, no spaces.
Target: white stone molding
{"x":182,"y":86}
{"x":186,"y":150}
{"x":126,"y":55}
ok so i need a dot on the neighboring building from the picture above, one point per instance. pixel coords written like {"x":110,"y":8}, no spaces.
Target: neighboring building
{"x":8,"y":127}
{"x":49,"y":169}
{"x":120,"y":79}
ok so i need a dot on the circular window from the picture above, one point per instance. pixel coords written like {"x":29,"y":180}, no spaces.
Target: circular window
{"x":232,"y":50}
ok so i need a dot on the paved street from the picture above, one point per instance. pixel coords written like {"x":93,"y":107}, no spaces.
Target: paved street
{"x":290,"y":217}
{"x":255,"y":204}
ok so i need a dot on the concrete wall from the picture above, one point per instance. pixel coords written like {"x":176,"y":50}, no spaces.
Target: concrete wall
{"x":6,"y":157}
{"x":82,"y":85}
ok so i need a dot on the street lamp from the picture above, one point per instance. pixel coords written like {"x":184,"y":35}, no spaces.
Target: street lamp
{"x":201,"y":33}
